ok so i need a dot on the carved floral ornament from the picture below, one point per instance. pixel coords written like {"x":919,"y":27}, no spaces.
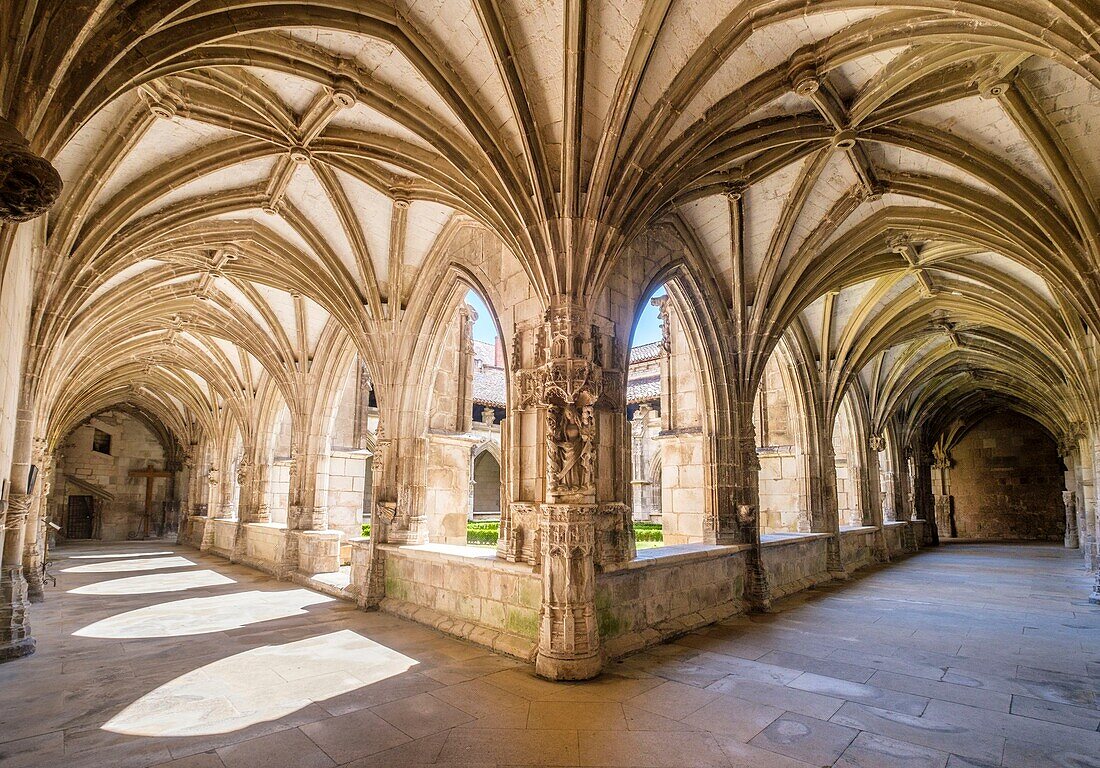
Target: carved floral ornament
{"x":877,"y":443}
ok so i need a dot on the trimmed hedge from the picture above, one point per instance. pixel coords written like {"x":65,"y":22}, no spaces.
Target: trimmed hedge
{"x":482,"y":533}
{"x":488,"y":533}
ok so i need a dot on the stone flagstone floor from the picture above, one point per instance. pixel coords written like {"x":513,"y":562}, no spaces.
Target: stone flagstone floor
{"x":151,"y":654}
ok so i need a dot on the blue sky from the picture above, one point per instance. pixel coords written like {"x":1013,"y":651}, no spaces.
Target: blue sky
{"x":648,"y":328}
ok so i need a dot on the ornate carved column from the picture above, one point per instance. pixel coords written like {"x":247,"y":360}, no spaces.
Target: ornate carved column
{"x":923,"y":507}
{"x":1093,"y":519}
{"x":261,"y":489}
{"x":746,"y":492}
{"x":574,"y":402}
{"x":15,"y":631}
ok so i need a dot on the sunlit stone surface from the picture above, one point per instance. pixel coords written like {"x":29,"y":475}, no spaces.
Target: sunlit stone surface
{"x":138,"y":564}
{"x":153,"y":583}
{"x":198,"y":615}
{"x":259,"y":685}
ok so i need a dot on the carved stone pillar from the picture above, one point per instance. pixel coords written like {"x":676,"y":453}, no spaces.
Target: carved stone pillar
{"x":1069,"y":499}
{"x":826,"y":515}
{"x":873,"y":497}
{"x":569,"y":641}
{"x":15,"y":631}
{"x":402,"y":518}
{"x":34,"y":535}
{"x":574,"y":398}
{"x":923,"y":505}
{"x":746,"y":491}
{"x":368,"y":580}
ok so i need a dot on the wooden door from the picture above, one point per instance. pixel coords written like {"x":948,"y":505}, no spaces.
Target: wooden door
{"x":81,"y":518}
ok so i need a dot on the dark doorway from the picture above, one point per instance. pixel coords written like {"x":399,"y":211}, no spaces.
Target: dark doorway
{"x":80,"y":521}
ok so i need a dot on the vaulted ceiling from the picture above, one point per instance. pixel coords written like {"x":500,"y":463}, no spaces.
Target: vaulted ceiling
{"x":908,"y":189}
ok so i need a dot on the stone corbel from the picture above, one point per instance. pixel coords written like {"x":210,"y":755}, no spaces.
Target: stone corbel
{"x":29,"y":185}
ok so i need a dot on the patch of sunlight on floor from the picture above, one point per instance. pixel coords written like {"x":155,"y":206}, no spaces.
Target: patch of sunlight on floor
{"x":114,"y":556}
{"x":131,"y":565}
{"x":199,"y":615}
{"x":260,"y":685}
{"x":154,"y":582}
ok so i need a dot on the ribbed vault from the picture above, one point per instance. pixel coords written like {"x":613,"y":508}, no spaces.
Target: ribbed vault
{"x":253,"y":192}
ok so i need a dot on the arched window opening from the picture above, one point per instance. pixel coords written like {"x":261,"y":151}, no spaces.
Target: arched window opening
{"x":846,"y":464}
{"x":778,"y":445}
{"x":355,"y":425}
{"x":467,"y":424}
{"x":645,"y":383}
{"x":279,"y":486}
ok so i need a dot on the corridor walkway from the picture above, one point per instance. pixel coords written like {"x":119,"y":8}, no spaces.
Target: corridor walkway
{"x":969,"y":655}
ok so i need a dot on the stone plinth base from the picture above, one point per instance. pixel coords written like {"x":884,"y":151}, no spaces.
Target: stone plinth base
{"x":15,"y":630}
{"x":568,"y":669}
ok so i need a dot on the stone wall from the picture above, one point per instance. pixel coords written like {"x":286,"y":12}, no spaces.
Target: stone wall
{"x":780,"y":489}
{"x":683,"y":500}
{"x":1006,"y":481}
{"x":347,"y":492}
{"x":857,"y":548}
{"x":133,"y":447}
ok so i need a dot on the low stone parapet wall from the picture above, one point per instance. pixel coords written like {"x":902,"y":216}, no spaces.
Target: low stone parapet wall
{"x":478,"y":598}
{"x":262,"y":546}
{"x":224,"y":537}
{"x":857,"y":547}
{"x":666,"y":592}
{"x":794,"y":562}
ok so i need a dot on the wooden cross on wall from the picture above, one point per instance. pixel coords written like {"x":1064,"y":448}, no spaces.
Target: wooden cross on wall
{"x":149,"y":473}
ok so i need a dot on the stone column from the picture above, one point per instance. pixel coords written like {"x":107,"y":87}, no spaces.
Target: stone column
{"x":15,"y":630}
{"x":307,"y":509}
{"x":746,"y":495}
{"x":922,"y":493}
{"x":261,"y":484}
{"x":941,"y":492}
{"x":368,"y":582}
{"x":1069,"y":498}
{"x":34,"y":535}
{"x":584,"y":526}
{"x":1094,"y":523}
{"x":870,"y":471}
{"x":825,"y":516}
